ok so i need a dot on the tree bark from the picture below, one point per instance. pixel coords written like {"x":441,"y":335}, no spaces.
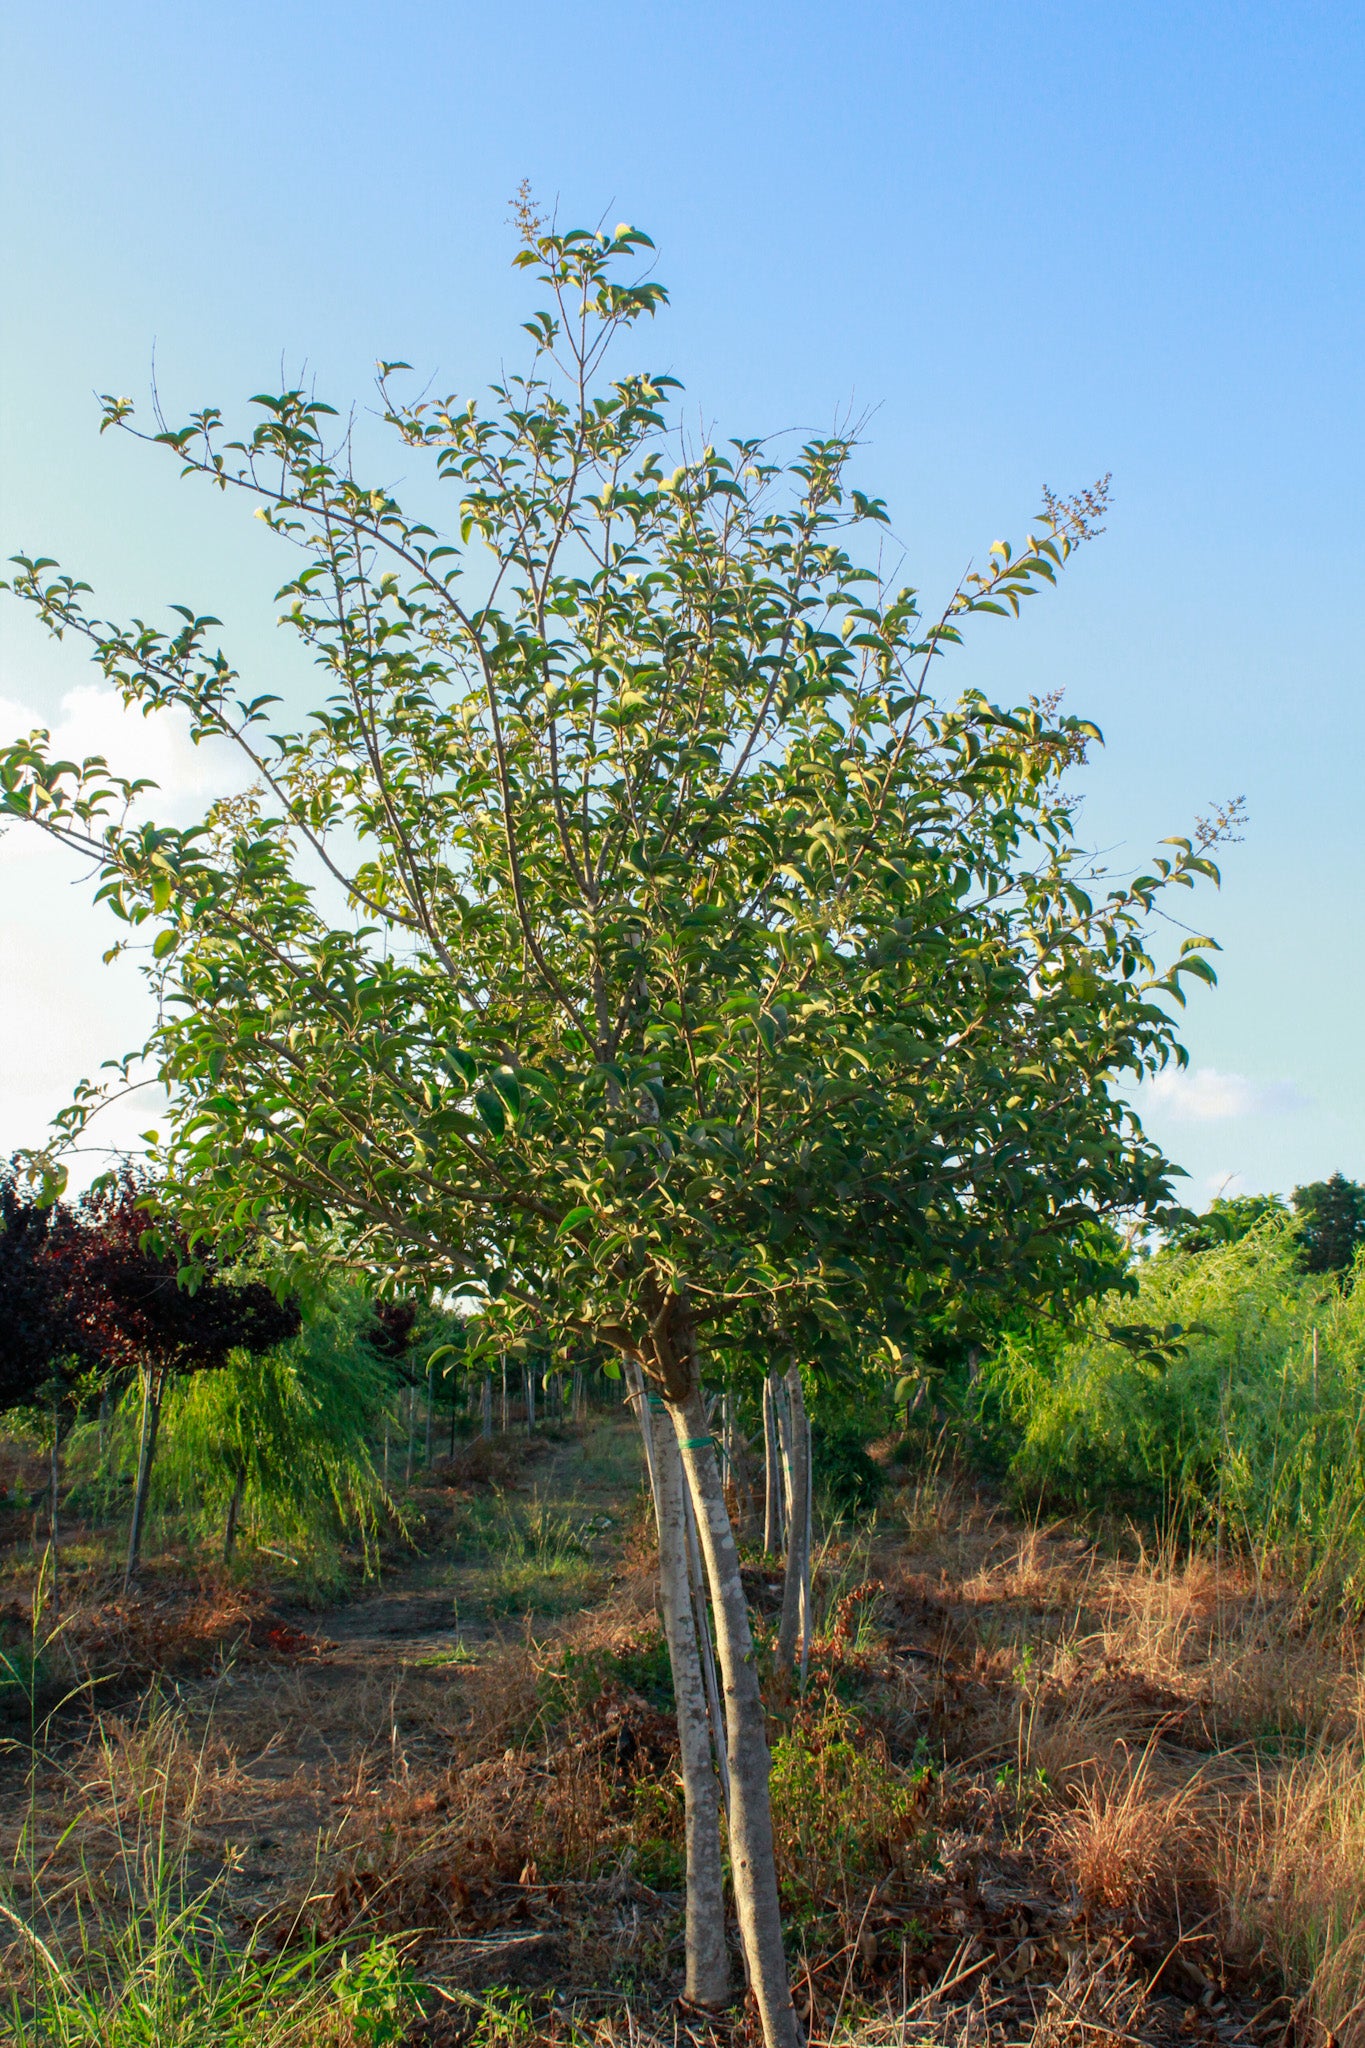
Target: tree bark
{"x":701,"y":1615}
{"x":530,"y":1400}
{"x":153,"y":1387}
{"x":431,"y":1404}
{"x":487,"y":1417}
{"x":751,"y":1828}
{"x":807,"y":1609}
{"x":795,"y":1626}
{"x":230,"y":1526}
{"x":708,"y":1970}
{"x":772,"y":1470}
{"x":782,"y":1410}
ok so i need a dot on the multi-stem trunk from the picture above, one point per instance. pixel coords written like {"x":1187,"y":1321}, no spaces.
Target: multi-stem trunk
{"x":794,"y":1631}
{"x":751,"y":1829}
{"x":153,"y":1387}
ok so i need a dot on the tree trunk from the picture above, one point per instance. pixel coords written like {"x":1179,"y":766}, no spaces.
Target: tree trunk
{"x":795,"y":1626}
{"x":412,"y":1433}
{"x":487,"y":1420}
{"x":783,"y":1411}
{"x":530,"y":1400}
{"x":153,"y":1387}
{"x":751,"y":1827}
{"x":807,"y":1610}
{"x":772,"y":1470}
{"x":504,"y":1397}
{"x":56,"y":1477}
{"x":708,"y":1964}
{"x":230,"y":1526}
{"x":431,"y":1405}
{"x":701,"y":1615}
{"x":699,"y":1728}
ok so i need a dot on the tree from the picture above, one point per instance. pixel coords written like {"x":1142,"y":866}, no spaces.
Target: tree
{"x":38,"y":1328}
{"x":701,"y":968}
{"x":1331,"y":1223}
{"x":1227,"y":1220}
{"x":283,"y":1439}
{"x":153,"y":1311}
{"x":46,"y":1360}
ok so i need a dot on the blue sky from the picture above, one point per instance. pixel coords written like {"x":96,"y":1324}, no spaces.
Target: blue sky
{"x":1033,"y":248}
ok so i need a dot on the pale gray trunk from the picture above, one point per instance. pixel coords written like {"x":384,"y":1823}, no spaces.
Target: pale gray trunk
{"x":782,"y":1410}
{"x":152,"y":1389}
{"x":701,"y":1613}
{"x":530,"y":1401}
{"x":807,"y":1610}
{"x":795,"y":1627}
{"x":772,"y":1470}
{"x":751,"y":1828}
{"x":708,"y":1969}
{"x":230,"y":1526}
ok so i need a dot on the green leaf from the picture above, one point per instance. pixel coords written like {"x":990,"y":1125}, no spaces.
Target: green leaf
{"x":491,"y":1110}
{"x":507,"y":1088}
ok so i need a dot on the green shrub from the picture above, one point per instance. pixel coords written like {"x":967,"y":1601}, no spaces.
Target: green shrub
{"x":1228,"y":1394}
{"x":846,"y":1480}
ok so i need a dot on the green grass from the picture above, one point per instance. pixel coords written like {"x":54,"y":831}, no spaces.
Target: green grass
{"x":544,"y":1562}
{"x":1243,"y":1418}
{"x":160,"y":1971}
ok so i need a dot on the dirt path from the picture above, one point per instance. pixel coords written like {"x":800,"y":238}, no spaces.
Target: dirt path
{"x":295,"y":1749}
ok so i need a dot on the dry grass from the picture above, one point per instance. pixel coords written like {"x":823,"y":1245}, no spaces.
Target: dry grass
{"x":1035,"y":1793}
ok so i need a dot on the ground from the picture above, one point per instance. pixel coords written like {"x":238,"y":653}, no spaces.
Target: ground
{"x":1038,"y":1787}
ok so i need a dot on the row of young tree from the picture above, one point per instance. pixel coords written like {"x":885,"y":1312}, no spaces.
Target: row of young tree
{"x":226,"y":1399}
{"x":636,"y":943}
{"x":89,"y":1308}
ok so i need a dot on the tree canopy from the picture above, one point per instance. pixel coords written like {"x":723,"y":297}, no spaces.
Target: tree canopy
{"x":1331,"y":1217}
{"x":698,"y":961}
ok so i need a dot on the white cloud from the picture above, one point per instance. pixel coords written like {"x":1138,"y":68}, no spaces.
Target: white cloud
{"x":1205,"y":1095}
{"x":93,"y":719}
{"x":62,"y":1012}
